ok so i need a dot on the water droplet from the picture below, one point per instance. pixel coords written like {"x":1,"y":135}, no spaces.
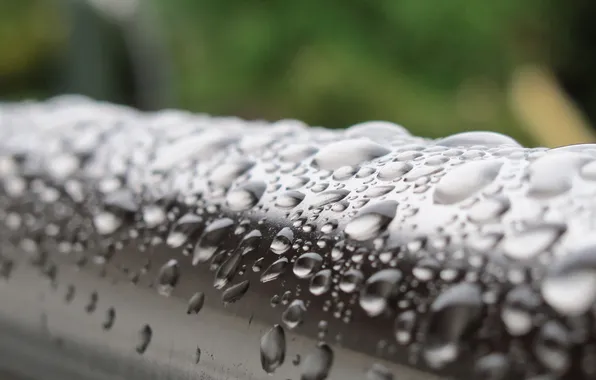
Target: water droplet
{"x":227,"y":270}
{"x":293,"y":316}
{"x":317,"y":364}
{"x":183,"y":229}
{"x":168,"y":277}
{"x":196,"y":302}
{"x":404,"y":327}
{"x":289,"y":199}
{"x":553,"y":347}
{"x":351,"y":280}
{"x":297,"y":152}
{"x":495,"y":366}
{"x":110,"y":318}
{"x":552,"y":174}
{"x":92,"y":305}
{"x":426,"y":269}
{"x":320,"y":283}
{"x":235,"y":292}
{"x":378,"y":289}
{"x":106,"y":223}
{"x":532,"y":241}
{"x":371,"y":221}
{"x":153,"y":216}
{"x":328,"y":197}
{"x":488,"y":210}
{"x":211,"y":239}
{"x":379,"y":372}
{"x":273,"y":349}
{"x":519,"y":306}
{"x":70,"y":293}
{"x":452,"y":314}
{"x":145,"y":335}
{"x":466,"y":180}
{"x":122,"y":200}
{"x":350,"y":152}
{"x":307,"y":264}
{"x":379,"y":191}
{"x":488,"y":139}
{"x":282,"y":241}
{"x":197,"y":355}
{"x":294,"y":183}
{"x":245,"y":196}
{"x":394,"y":170}
{"x":570,"y":284}
{"x":225,"y":174}
{"x":345,"y":172}
{"x":274,"y":270}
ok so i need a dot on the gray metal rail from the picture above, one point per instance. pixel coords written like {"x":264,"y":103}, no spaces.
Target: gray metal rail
{"x":170,"y":245}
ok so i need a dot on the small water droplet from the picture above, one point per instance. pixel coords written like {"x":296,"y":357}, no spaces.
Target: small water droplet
{"x":351,"y":281}
{"x":534,"y":240}
{"x":197,"y":355}
{"x":393,"y":170}
{"x":552,"y":347}
{"x":227,"y":270}
{"x":328,"y":197}
{"x":519,"y":306}
{"x":145,"y":335}
{"x":273,"y":349}
{"x":293,"y":316}
{"x":465,"y":180}
{"x":495,"y":366}
{"x":106,"y":223}
{"x":110,"y":319}
{"x":404,"y":327}
{"x":92,"y":305}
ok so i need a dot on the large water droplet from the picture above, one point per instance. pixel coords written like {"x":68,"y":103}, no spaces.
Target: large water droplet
{"x":351,"y":280}
{"x":393,"y":170}
{"x":371,"y":221}
{"x":273,"y":349}
{"x":452,"y":315}
{"x":168,"y":277}
{"x":274,"y":270}
{"x":350,"y":152}
{"x":211,"y":239}
{"x":235,"y":292}
{"x":328,"y":197}
{"x":404,"y":326}
{"x":520,"y":304}
{"x":552,"y":174}
{"x":307,"y":264}
{"x":553,"y":347}
{"x":532,"y":241}
{"x":488,"y":139}
{"x":321,"y":282}
{"x":378,"y":290}
{"x":183,"y":229}
{"x":289,"y":199}
{"x":570,"y":284}
{"x":225,"y":273}
{"x":282,"y":242}
{"x":293,"y":316}
{"x":317,"y":364}
{"x":466,"y":180}
{"x":225,"y":174}
{"x":245,"y":196}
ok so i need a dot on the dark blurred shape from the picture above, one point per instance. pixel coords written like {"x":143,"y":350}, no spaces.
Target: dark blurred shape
{"x":114,"y":53}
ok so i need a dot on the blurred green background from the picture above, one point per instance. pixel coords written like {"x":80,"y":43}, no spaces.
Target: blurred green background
{"x":436,"y":67}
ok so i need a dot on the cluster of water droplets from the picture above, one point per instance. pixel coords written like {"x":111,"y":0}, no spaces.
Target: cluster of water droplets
{"x":470,"y":245}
